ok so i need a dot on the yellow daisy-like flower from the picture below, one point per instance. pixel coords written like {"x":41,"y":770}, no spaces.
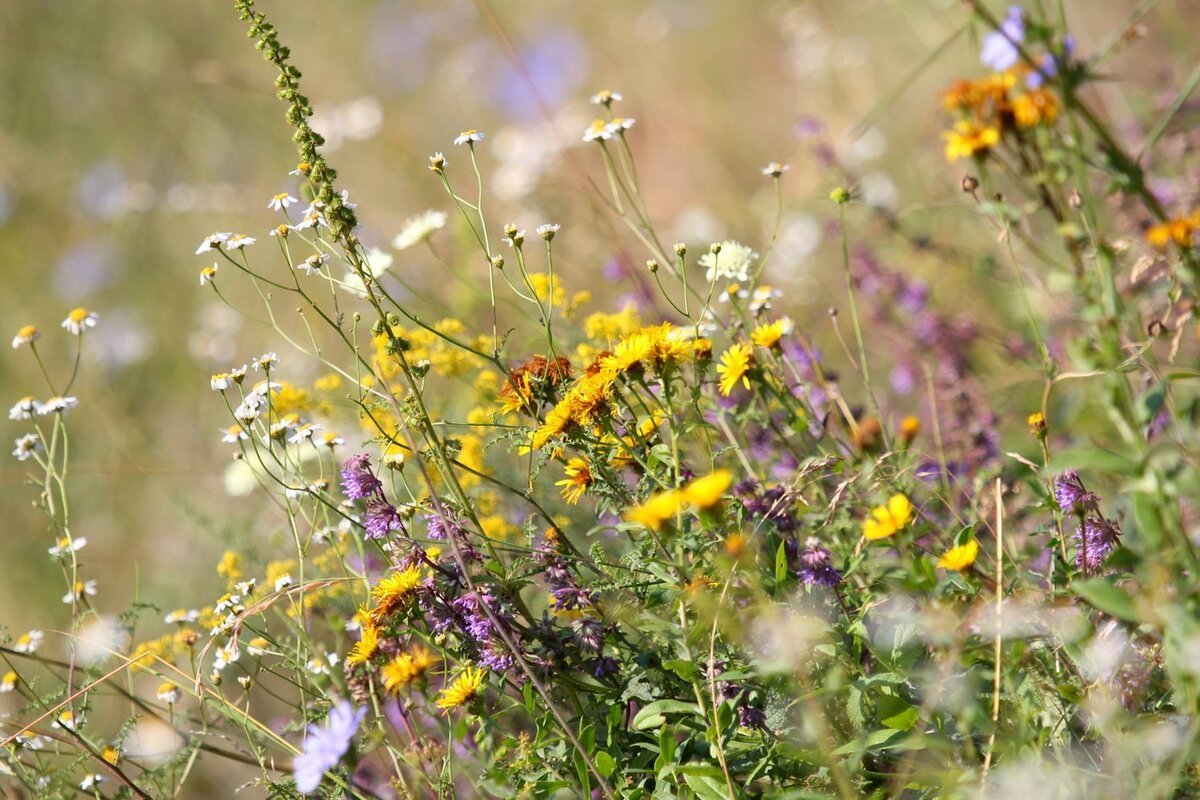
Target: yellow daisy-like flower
{"x":970,"y":138}
{"x":579,"y":478}
{"x":464,"y":689}
{"x":768,"y":335}
{"x":886,"y":520}
{"x":557,"y":420}
{"x":628,"y":355}
{"x":1179,"y":230}
{"x":588,"y":398}
{"x":657,"y":510}
{"x":734,"y":364}
{"x":391,"y":592}
{"x":706,"y":492}
{"x":960,"y":558}
{"x":406,"y":668}
{"x":365,"y":647}
{"x":1036,"y":107}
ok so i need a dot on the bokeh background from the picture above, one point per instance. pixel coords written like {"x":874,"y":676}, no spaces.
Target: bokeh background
{"x":131,"y":129}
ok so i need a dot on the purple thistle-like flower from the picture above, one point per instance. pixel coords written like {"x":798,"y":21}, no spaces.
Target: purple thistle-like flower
{"x":496,"y":657}
{"x":1072,"y":498}
{"x":588,"y":633}
{"x":604,"y":666}
{"x":567,"y":598}
{"x":999,"y":51}
{"x":326,"y":744}
{"x":381,"y":518}
{"x":751,"y":717}
{"x":815,"y":568}
{"x":357,"y":479}
{"x":1095,"y":539}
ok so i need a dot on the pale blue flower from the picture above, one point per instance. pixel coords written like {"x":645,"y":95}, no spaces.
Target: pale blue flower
{"x":1000,"y":47}
{"x":325,"y":745}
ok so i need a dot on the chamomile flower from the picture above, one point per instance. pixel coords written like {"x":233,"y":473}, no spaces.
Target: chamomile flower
{"x":8,"y":682}
{"x":57,"y":404}
{"x":213,"y":242}
{"x":760,"y":300}
{"x":303,"y":432}
{"x":437,"y":162}
{"x":281,"y":201}
{"x":80,"y":319}
{"x":91,"y":781}
{"x":775,"y":169}
{"x":331,"y":439}
{"x":208,"y":275}
{"x":548,"y":230}
{"x":515,"y":239}
{"x":66,"y":545}
{"x":182,"y":615}
{"x":258,"y":647}
{"x":606,"y":97}
{"x":620,"y":124}
{"x":469,"y":137}
{"x":234,"y":434}
{"x":246,"y":588}
{"x":310,"y":219}
{"x":265,"y":362}
{"x":238,"y":241}
{"x":283,"y":581}
{"x":26,"y":446}
{"x":419,"y":228}
{"x":312,"y":265}
{"x":24,"y":408}
{"x":67,"y":721}
{"x":168,"y":693}
{"x":729,"y":260}
{"x":29,"y":642}
{"x":82,"y":589}
{"x":246,"y":412}
{"x":26,"y":334}
{"x":318,"y":665}
{"x":598,"y":130}
{"x":220,"y":381}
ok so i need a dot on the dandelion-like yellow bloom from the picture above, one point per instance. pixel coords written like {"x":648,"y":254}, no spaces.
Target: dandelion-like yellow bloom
{"x":464,"y":689}
{"x":579,"y":478}
{"x":365,"y":647}
{"x":910,"y":426}
{"x":557,"y":421}
{"x":734,"y":364}
{"x":888,"y":519}
{"x":588,"y":398}
{"x":628,"y":355}
{"x":969,"y":138}
{"x":706,"y":492}
{"x":657,"y":510}
{"x":406,"y":668}
{"x":1179,"y":230}
{"x":230,"y":567}
{"x":769,"y":335}
{"x":391,"y":592}
{"x":1037,"y":423}
{"x":960,"y":558}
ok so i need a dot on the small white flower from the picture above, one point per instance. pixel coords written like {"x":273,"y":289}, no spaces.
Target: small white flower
{"x":516,"y":239}
{"x":26,"y":446}
{"x":283,"y":581}
{"x":8,"y":682}
{"x":775,"y":169}
{"x":312,"y":265}
{"x":311,"y":219}
{"x":82,"y":589}
{"x":226,"y":655}
{"x":80,"y":319}
{"x":181,"y":615}
{"x":437,"y":162}
{"x":208,"y":274}
{"x":621,"y":124}
{"x":605,"y":97}
{"x":597,"y":130}
{"x":67,"y":721}
{"x":548,"y":230}
{"x":265,"y":362}
{"x":733,"y":262}
{"x":90,"y":781}
{"x":25,"y":408}
{"x":419,"y":228}
{"x":257,"y":647}
{"x":731,"y":291}
{"x":169,"y":693}
{"x":761,"y":301}
{"x":318,"y":665}
{"x":238,"y":241}
{"x":246,"y":413}
{"x":30,"y":740}
{"x":57,"y":404}
{"x":469,"y":137}
{"x":246,"y":587}
{"x":303,"y":432}
{"x":234,"y":434}
{"x":261,"y":389}
{"x":281,"y":201}
{"x":220,"y":381}
{"x":345,"y":195}
{"x":331,"y":439}
{"x":27,"y":334}
{"x":66,"y":545}
{"x":379,"y":261}
{"x":213,"y":242}
{"x":29,"y":642}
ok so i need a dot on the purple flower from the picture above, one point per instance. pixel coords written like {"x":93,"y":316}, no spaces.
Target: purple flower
{"x":1096,"y":539}
{"x":325,"y":745}
{"x":751,"y":717}
{"x":815,"y":567}
{"x":1072,"y":498}
{"x":604,"y":666}
{"x":999,"y":50}
{"x":357,"y":479}
{"x":381,"y":518}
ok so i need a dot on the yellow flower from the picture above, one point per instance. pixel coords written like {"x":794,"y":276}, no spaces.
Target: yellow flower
{"x":909,"y":428}
{"x":588,"y":398}
{"x":768,"y":335}
{"x":557,"y":420}
{"x":657,"y":510}
{"x":969,"y":138}
{"x":406,"y":668}
{"x":578,"y":479}
{"x":1037,"y":423}
{"x":110,"y":754}
{"x":1179,"y":230}
{"x":960,"y":558}
{"x":230,"y":567}
{"x":628,"y":355}
{"x":886,"y":520}
{"x":365,"y":647}
{"x":735,"y":363}
{"x":1036,"y":107}
{"x":706,"y":492}
{"x":8,"y":682}
{"x":464,"y":688}
{"x":391,"y":592}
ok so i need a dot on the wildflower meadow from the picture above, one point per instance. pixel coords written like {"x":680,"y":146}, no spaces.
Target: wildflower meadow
{"x":601,"y":449}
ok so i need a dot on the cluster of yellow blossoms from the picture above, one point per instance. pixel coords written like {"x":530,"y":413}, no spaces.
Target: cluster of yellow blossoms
{"x":990,"y":107}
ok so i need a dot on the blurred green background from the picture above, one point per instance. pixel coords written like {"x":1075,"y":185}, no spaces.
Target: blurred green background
{"x":131,"y":129}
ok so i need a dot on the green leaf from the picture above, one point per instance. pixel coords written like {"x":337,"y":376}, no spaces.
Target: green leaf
{"x":781,"y":564}
{"x":605,"y":764}
{"x":1105,"y":595}
{"x":686,"y":670}
{"x":654,"y":715}
{"x":895,"y":712}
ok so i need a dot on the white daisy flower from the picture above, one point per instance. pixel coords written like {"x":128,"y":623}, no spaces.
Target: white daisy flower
{"x":82,"y":589}
{"x":30,"y":740}
{"x":246,"y":587}
{"x":311,"y":219}
{"x":379,"y":261}
{"x":246,"y":413}
{"x":548,"y":230}
{"x":57,"y":404}
{"x":597,"y":130}
{"x":67,"y":721}
{"x":220,"y":381}
{"x":318,"y":665}
{"x":258,"y":646}
{"x":419,"y":228}
{"x":729,"y":260}
{"x":303,"y":432}
{"x":213,"y":242}
{"x":516,"y":239}
{"x":29,"y":642}
{"x":312,"y":265}
{"x":208,"y":275}
{"x":437,"y":162}
{"x":234,"y":434}
{"x":606,"y":97}
{"x":79,"y":319}
{"x":775,"y":169}
{"x":263,"y":388}
{"x":66,"y":545}
{"x":26,"y":446}
{"x":283,"y":581}
{"x":731,"y":291}
{"x":469,"y":137}
{"x":761,"y":300}
{"x":238,"y":241}
{"x":7,"y":683}
{"x":266,"y":361}
{"x":25,"y":408}
{"x":27,"y":334}
{"x":621,"y":124}
{"x":331,"y":439}
{"x":91,"y":781}
{"x":345,"y":195}
{"x":281,"y":201}
{"x":181,"y":615}
{"x":169,"y":693}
